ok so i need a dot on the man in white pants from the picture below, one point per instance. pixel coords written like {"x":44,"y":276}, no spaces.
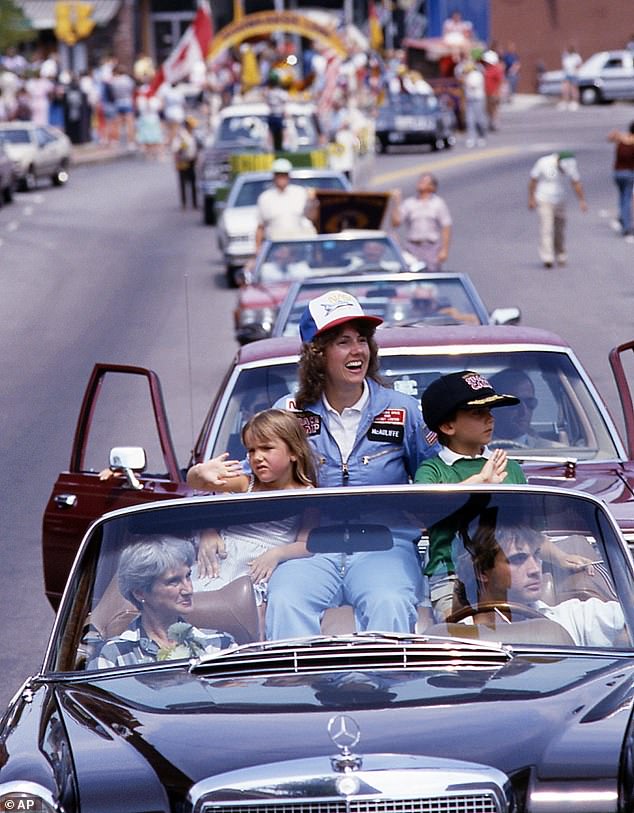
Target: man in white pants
{"x":547,"y":194}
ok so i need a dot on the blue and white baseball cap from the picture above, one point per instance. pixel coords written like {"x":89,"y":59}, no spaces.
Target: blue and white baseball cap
{"x":329,"y":310}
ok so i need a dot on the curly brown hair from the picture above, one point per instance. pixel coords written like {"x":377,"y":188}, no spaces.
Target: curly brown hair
{"x":312,"y":361}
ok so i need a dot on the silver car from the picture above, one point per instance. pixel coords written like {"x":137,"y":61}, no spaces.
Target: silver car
{"x":36,"y":151}
{"x":604,"y":77}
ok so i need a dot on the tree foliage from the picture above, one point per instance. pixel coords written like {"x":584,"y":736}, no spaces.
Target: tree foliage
{"x":15,"y":27}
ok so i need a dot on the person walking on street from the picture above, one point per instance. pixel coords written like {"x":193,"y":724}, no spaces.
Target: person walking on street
{"x":547,"y":194}
{"x":427,"y":222}
{"x":493,"y":81}
{"x":570,"y":63}
{"x":624,"y":178}
{"x":472,"y":78}
{"x":185,"y":149}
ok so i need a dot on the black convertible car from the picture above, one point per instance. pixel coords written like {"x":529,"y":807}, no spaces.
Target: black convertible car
{"x":521,"y":700}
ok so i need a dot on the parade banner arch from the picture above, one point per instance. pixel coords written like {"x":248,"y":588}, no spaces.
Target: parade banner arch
{"x":268,"y":22}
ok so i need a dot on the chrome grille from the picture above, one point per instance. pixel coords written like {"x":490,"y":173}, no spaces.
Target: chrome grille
{"x":458,"y":803}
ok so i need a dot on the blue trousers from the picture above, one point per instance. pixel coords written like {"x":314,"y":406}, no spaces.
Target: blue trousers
{"x":383,"y":587}
{"x":624,"y":180}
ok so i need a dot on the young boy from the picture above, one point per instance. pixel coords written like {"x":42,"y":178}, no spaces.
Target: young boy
{"x":458,"y":408}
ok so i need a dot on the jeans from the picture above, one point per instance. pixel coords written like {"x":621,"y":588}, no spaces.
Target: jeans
{"x":624,"y":180}
{"x":384,"y":587}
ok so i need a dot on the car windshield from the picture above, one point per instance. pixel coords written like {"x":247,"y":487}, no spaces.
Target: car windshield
{"x":559,"y":416}
{"x":411,"y":104}
{"x":510,"y":549}
{"x":11,"y":136}
{"x":397,"y":301}
{"x":326,"y":256}
{"x":248,"y":128}
{"x":250,"y":191}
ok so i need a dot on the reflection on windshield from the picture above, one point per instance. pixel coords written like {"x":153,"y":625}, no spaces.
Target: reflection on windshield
{"x":563,"y":418}
{"x":529,"y":568}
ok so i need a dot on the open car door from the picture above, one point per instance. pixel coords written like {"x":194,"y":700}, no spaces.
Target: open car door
{"x":617,"y":362}
{"x":115,"y":413}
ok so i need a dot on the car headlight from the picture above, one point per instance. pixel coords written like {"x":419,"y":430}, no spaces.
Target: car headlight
{"x":256,"y":316}
{"x":212,"y":172}
{"x":27,"y":796}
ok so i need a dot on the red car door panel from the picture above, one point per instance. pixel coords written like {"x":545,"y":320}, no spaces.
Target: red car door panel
{"x":79,"y":496}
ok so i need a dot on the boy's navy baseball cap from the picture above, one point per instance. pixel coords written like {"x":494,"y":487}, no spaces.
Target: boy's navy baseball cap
{"x":463,"y":390}
{"x":329,"y":310}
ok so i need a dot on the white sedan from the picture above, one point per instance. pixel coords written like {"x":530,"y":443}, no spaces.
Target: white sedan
{"x":36,"y":152}
{"x":604,"y":77}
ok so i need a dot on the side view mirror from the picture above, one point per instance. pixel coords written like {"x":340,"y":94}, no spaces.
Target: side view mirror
{"x":506,"y":316}
{"x":128,"y":459}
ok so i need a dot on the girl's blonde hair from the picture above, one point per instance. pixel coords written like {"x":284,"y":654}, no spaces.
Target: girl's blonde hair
{"x":286,"y":426}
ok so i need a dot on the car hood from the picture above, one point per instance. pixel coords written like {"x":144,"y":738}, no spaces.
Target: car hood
{"x":18,"y":152}
{"x":240,"y":220}
{"x":611,"y":481}
{"x":563,"y":715}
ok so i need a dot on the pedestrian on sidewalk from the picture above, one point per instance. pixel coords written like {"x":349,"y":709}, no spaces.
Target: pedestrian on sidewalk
{"x":570,"y":63}
{"x":547,"y":194}
{"x":624,"y":178}
{"x":185,"y":149}
{"x":427,"y":222}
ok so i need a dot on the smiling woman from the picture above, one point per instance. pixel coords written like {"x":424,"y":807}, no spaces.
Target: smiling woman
{"x":363,"y":434}
{"x":155,"y":576}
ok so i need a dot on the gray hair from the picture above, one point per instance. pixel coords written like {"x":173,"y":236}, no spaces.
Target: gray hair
{"x":144,"y":561}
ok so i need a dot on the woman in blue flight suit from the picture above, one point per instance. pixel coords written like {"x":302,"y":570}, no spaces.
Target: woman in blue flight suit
{"x":363,"y":434}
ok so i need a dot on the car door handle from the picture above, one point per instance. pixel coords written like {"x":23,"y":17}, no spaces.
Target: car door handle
{"x":66,"y":500}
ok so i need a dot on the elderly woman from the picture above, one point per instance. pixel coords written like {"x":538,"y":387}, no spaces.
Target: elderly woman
{"x":155,"y":575}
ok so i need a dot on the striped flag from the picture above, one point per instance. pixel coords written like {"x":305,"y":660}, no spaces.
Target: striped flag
{"x":192,"y":48}
{"x":328,"y":90}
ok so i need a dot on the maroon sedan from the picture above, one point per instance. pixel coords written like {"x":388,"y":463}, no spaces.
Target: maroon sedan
{"x":563,"y":433}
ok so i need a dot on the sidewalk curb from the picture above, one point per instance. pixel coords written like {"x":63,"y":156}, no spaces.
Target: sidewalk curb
{"x":83,"y":154}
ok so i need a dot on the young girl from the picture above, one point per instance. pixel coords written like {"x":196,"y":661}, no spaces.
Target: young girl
{"x":280,"y":458}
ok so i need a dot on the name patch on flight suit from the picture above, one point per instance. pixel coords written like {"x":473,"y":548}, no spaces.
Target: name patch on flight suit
{"x":388,"y":426}
{"x":310,"y":422}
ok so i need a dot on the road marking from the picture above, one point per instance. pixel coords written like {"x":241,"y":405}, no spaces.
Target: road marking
{"x":13,"y":225}
{"x":444,"y":163}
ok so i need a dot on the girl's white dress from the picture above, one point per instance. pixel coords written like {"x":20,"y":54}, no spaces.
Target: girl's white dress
{"x":243,"y":544}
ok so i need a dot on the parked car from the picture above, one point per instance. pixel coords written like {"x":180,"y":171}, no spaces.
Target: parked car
{"x":575,"y":441}
{"x":241,"y":142}
{"x":414,"y":118}
{"x":605,"y":77}
{"x":7,"y":176}
{"x":401,"y":300}
{"x":280,"y":262}
{"x":37,"y":152}
{"x":512,"y":712}
{"x":238,"y":222}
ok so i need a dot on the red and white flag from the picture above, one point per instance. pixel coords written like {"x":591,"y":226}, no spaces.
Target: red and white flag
{"x":329,"y":87}
{"x":191,"y":49}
